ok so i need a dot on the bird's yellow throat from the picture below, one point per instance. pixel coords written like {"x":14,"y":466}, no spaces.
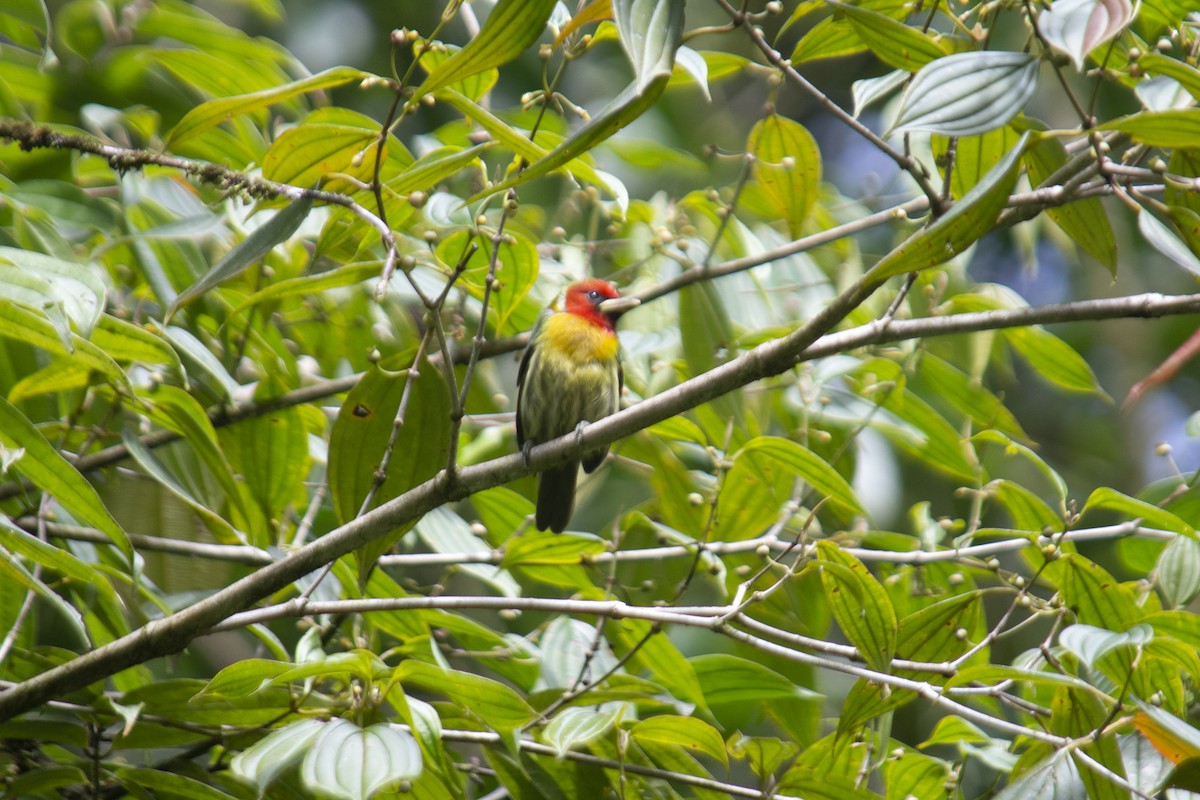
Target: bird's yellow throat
{"x":579,"y":339}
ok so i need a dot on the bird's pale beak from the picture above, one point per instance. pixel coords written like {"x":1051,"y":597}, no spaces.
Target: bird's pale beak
{"x":616,"y":306}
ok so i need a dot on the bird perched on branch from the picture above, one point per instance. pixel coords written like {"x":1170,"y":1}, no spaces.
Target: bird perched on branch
{"x":570,"y":374}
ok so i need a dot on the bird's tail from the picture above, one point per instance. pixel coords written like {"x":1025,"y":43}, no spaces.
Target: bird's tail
{"x":556,"y":497}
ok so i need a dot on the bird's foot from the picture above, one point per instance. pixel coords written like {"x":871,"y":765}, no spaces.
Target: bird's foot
{"x":583,"y":423}
{"x":525,"y":450}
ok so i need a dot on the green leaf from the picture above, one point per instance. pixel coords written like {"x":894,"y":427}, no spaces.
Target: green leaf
{"x":860,"y":605}
{"x":1165,"y":241}
{"x":1187,"y":75}
{"x":518,"y":142}
{"x":24,"y":324}
{"x":124,"y":341}
{"x":260,"y":241}
{"x":912,"y":774}
{"x":502,"y":511}
{"x":178,"y":411}
{"x":627,"y":106}
{"x":214,"y":112}
{"x":931,"y":634}
{"x":516,"y":273}
{"x":705,"y":329}
{"x":837,"y":36}
{"x":1150,"y":514}
{"x":1078,"y":713}
{"x":144,"y":457}
{"x":16,"y":542}
{"x":688,"y":732}
{"x":1187,"y":225}
{"x":813,"y":785}
{"x":649,"y":32}
{"x":656,"y":654}
{"x":26,"y":23}
{"x":967,"y":93}
{"x":356,"y":665}
{"x":959,"y":228}
{"x":1178,"y":571}
{"x":729,"y":679}
{"x":275,"y":753}
{"x":42,"y":782}
{"x":53,"y":474}
{"x":364,"y":425}
{"x":498,"y":706}
{"x":19,"y":542}
{"x":40,"y":280}
{"x":653,"y":64}
{"x":312,"y":155}
{"x":1053,"y":359}
{"x":1090,"y":643}
{"x":1012,"y":448}
{"x":346,"y":275}
{"x":870,"y":90}
{"x":353,"y":763}
{"x":446,"y":532}
{"x":511,"y":29}
{"x":422,"y":718}
{"x":270,"y":453}
{"x":542,"y":549}
{"x":168,"y":784}
{"x":1028,"y":511}
{"x":1170,"y":129}
{"x":955,"y":730}
{"x":787,"y":165}
{"x":916,"y":428}
{"x":60,"y":375}
{"x":427,"y":171}
{"x":974,"y":156}
{"x":474,"y":86}
{"x":890,"y":40}
{"x":966,"y":395}
{"x":202,"y":365}
{"x":1085,"y":221}
{"x":569,"y":653}
{"x":1095,"y":596}
{"x":690,"y":67}
{"x":576,"y":726}
{"x":1050,"y":778}
{"x":242,"y":678}
{"x":803,"y":463}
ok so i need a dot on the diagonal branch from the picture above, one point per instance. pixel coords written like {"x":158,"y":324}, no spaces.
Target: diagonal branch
{"x":171,"y":634}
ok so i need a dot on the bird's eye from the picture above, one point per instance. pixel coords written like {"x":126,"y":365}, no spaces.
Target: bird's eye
{"x":593,"y":295}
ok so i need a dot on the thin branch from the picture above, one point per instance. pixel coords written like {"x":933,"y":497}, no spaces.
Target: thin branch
{"x":122,"y":159}
{"x":245,"y":554}
{"x":234,"y":553}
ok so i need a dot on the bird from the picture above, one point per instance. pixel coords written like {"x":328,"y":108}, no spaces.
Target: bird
{"x":570,"y":374}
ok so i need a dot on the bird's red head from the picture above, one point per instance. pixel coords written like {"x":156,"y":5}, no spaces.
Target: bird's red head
{"x":584,"y":299}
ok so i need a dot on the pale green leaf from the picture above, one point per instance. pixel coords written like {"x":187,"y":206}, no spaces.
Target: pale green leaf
{"x":214,"y":112}
{"x":511,"y":28}
{"x":956,"y":230}
{"x":256,"y":245}
{"x":967,"y":93}
{"x":49,"y":471}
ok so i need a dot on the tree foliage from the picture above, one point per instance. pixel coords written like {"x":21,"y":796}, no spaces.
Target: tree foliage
{"x":870,"y":529}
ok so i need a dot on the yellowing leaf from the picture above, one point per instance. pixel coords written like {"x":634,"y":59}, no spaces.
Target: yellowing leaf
{"x":787,"y":165}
